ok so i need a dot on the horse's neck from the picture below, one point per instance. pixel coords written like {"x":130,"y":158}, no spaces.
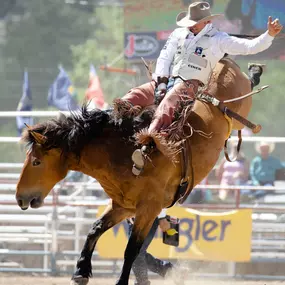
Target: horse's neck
{"x":90,"y":160}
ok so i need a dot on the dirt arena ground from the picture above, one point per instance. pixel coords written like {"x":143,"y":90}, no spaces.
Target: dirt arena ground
{"x":25,"y":280}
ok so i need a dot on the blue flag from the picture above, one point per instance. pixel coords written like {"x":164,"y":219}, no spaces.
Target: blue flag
{"x":25,"y":104}
{"x":61,"y":93}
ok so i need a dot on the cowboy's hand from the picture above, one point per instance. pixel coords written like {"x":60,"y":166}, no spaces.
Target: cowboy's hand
{"x":162,"y":88}
{"x":274,"y":27}
{"x":164,"y":224}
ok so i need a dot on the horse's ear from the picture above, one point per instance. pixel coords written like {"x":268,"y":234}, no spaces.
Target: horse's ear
{"x":39,"y":138}
{"x":28,"y":126}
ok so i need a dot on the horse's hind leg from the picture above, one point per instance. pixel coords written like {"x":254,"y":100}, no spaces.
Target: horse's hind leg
{"x":145,"y":216}
{"x":112,"y":216}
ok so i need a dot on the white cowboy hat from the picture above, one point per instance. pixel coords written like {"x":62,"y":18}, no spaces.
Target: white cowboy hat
{"x":197,"y":11}
{"x":261,"y":144}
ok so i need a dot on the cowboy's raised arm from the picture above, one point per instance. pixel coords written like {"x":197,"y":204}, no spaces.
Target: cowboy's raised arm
{"x":237,"y":46}
{"x":166,"y":56}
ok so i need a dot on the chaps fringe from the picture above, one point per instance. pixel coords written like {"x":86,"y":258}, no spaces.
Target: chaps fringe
{"x":168,"y":148}
{"x":123,"y":108}
{"x":181,"y":129}
{"x":170,"y":145}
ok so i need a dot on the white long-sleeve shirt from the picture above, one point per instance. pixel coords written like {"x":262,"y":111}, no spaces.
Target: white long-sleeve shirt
{"x":220,"y":43}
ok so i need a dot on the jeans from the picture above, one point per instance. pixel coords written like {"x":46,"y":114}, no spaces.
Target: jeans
{"x":145,"y":261}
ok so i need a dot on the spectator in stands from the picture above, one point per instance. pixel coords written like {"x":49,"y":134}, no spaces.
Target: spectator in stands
{"x":232,"y":173}
{"x":263,"y":167}
{"x":199,"y":195}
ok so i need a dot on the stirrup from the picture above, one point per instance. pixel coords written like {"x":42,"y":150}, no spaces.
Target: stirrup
{"x":138,"y":160}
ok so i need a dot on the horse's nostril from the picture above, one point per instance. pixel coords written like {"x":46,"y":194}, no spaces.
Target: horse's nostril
{"x":36,"y":202}
{"x":20,"y":202}
{"x":23,"y":204}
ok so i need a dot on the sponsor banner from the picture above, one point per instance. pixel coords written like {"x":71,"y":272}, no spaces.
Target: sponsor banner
{"x":203,"y":236}
{"x":146,"y":45}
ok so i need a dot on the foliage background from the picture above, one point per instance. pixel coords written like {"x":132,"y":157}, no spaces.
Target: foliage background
{"x":40,"y":35}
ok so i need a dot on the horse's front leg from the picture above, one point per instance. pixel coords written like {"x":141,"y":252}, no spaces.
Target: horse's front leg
{"x":113,"y":215}
{"x":145,"y":216}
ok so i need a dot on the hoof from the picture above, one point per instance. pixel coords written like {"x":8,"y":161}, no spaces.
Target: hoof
{"x":79,"y":280}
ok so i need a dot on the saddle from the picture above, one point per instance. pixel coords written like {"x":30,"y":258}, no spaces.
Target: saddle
{"x":186,"y":185}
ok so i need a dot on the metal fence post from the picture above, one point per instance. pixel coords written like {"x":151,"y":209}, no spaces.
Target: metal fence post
{"x":54,"y":227}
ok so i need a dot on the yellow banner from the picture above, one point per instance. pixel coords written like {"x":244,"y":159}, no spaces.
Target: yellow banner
{"x":203,"y":236}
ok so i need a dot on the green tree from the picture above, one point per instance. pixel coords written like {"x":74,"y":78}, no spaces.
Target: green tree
{"x":106,"y":44}
{"x":39,"y":40}
{"x":44,"y":34}
{"x":268,"y":106}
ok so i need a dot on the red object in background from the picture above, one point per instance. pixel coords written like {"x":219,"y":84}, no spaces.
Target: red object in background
{"x":118,"y":69}
{"x":94,"y":91}
{"x":130,"y":49}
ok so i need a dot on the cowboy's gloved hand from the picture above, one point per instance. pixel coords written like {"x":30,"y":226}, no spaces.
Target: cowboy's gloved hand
{"x":274,"y":27}
{"x":164,"y":224}
{"x":162,"y":84}
{"x":162,"y":88}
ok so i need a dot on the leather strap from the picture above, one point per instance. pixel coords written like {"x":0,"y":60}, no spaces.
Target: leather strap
{"x":210,"y":99}
{"x":184,"y":188}
{"x":255,"y":128}
{"x":238,"y":148}
{"x":189,"y":174}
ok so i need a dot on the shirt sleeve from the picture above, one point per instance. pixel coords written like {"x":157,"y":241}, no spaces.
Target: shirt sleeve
{"x":237,"y":46}
{"x":166,"y":56}
{"x":162,"y":214}
{"x":278,"y":164}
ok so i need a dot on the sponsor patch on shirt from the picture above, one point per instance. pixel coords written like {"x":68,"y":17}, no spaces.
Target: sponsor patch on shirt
{"x":197,"y":60}
{"x":198,"y":50}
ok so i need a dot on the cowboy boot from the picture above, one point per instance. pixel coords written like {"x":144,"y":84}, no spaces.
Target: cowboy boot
{"x":255,"y":71}
{"x":139,"y":157}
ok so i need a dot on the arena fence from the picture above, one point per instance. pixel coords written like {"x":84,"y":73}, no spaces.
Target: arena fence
{"x":48,"y":240}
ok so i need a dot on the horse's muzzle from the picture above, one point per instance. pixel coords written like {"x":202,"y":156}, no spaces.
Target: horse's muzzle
{"x":34,"y":201}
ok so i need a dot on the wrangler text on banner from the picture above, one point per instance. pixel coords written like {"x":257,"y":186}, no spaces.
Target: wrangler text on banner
{"x":203,"y":236}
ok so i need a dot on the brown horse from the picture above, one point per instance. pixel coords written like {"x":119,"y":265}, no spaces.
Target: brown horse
{"x":92,"y":143}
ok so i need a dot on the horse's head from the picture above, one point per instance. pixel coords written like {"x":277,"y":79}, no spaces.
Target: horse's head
{"x":42,"y":169}
{"x":55,"y":148}
{"x":229,"y":82}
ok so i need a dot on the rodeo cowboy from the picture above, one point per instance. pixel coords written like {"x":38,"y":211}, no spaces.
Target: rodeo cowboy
{"x":189,"y":56}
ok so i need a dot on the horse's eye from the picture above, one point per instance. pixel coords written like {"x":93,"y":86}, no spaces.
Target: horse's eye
{"x":36,"y":162}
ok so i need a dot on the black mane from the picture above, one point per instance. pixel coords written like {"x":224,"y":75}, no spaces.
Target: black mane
{"x":72,"y":133}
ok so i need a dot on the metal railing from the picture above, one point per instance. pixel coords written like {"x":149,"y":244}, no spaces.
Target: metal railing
{"x":63,"y":219}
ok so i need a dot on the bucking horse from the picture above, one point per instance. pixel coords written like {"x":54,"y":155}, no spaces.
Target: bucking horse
{"x":94,"y":143}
